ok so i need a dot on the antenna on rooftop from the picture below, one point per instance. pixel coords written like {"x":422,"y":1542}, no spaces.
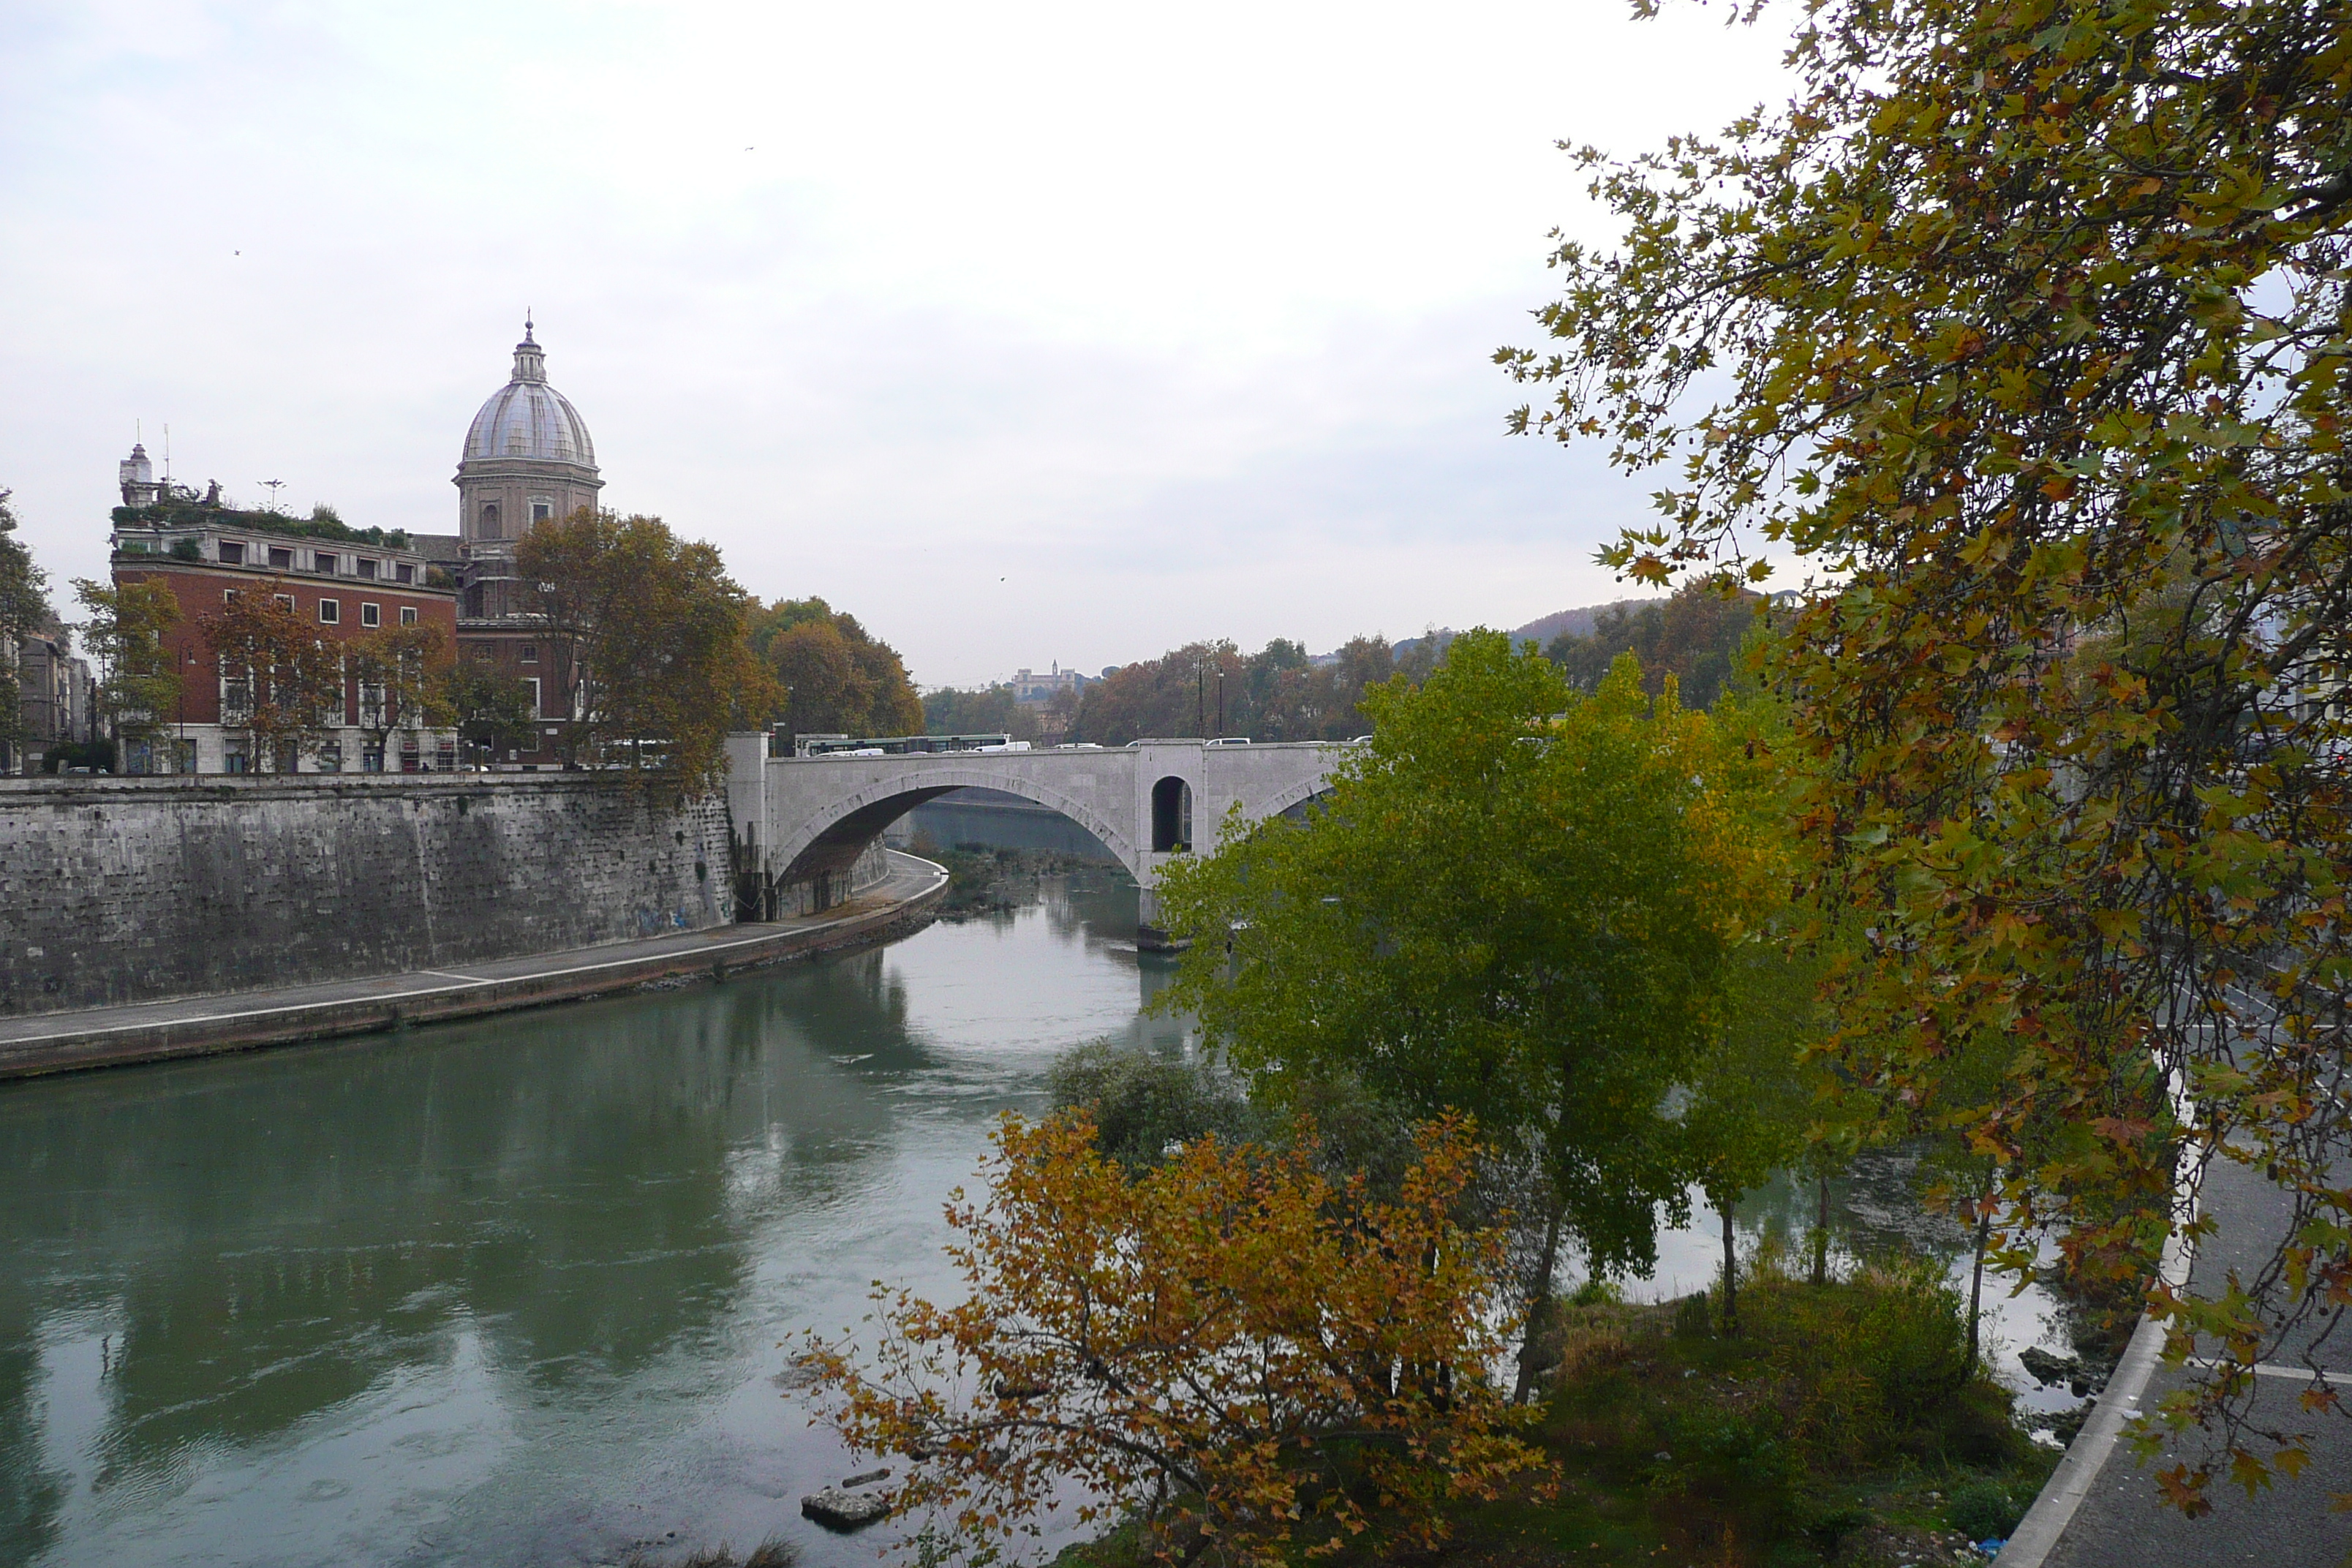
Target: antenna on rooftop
{"x":273,"y":486}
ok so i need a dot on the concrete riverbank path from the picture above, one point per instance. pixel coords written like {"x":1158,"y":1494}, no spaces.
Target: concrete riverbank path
{"x":62,"y":1042}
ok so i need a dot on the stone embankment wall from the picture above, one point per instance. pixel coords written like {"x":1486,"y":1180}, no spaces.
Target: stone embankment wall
{"x":119,"y":891}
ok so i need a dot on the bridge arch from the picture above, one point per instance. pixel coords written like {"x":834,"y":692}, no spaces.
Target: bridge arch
{"x":1284,"y":799}
{"x":832,"y":838}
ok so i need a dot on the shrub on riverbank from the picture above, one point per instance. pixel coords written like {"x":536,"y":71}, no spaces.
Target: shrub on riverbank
{"x":1841,"y":1425}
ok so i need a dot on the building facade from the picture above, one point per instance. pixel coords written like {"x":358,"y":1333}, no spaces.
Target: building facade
{"x":347,"y":587}
{"x":528,"y":458}
{"x":54,"y":698}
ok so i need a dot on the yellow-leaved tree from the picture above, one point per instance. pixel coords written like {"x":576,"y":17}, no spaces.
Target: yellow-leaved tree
{"x":1252,"y":1360}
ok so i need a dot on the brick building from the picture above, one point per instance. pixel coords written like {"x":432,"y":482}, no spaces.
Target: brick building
{"x":528,"y":458}
{"x":345,"y":582}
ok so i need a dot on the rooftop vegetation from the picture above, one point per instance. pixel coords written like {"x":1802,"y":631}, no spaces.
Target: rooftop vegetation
{"x":322,"y":523}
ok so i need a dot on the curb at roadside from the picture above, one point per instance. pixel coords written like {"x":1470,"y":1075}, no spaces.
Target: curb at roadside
{"x":2046,"y":1522}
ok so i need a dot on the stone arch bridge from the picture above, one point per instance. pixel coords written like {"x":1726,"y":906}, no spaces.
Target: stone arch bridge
{"x":805,"y":821}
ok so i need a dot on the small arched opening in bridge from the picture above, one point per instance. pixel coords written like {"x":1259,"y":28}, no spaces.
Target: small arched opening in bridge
{"x":1172,"y":816}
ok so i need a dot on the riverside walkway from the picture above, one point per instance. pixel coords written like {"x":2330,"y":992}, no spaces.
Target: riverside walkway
{"x":199,"y":1026}
{"x":2101,"y":1509}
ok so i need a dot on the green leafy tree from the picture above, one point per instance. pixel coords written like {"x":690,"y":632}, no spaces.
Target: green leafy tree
{"x":138,"y":677}
{"x":1748,"y":1102}
{"x":1694,"y":635}
{"x":2024,"y":324}
{"x":646,"y":645}
{"x":988,"y":710}
{"x":1520,"y":916}
{"x":492,"y":711}
{"x":24,"y":610}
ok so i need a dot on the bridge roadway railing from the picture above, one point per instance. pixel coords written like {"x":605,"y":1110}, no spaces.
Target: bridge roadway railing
{"x":803,"y":821}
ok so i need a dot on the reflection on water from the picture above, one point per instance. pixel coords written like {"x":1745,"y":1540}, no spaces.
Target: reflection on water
{"x":510,"y":1291}
{"x":517,"y":1292}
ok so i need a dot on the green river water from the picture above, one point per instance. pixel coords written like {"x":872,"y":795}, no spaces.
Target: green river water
{"x":519,"y":1291}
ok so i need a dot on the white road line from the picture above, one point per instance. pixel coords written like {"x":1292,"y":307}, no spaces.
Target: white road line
{"x":2272,"y":1369}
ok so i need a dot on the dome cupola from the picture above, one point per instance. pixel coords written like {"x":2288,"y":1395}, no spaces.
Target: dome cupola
{"x":527,"y":459}
{"x":527,"y":419}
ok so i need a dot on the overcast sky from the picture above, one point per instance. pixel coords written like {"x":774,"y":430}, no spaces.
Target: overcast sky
{"x":1027,"y":332}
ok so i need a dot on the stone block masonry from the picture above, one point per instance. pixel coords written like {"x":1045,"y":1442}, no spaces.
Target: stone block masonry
{"x":124,"y":891}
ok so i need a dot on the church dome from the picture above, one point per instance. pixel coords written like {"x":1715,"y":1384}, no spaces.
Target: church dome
{"x":529,"y":420}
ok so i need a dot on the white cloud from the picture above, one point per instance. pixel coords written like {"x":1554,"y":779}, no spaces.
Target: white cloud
{"x":1176,"y":321}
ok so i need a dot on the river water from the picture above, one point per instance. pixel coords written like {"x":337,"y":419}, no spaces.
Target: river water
{"x":519,"y":1291}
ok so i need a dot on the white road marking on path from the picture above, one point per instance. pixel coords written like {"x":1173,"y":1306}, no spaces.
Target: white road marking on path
{"x":2272,"y":1368}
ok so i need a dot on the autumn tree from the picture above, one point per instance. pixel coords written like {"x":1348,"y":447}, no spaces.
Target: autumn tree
{"x":1517,"y":903}
{"x":832,"y":676}
{"x":283,"y":681}
{"x":139,"y":678}
{"x":1227,"y":1345}
{"x":2023,"y":326}
{"x":646,"y":645}
{"x":1173,"y":694}
{"x":1307,"y":701}
{"x":402,"y":685}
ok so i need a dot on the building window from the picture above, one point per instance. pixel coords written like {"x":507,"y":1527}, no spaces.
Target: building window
{"x":285,"y":599}
{"x":232,"y":552}
{"x":367,"y":567}
{"x":280,"y":560}
{"x":408,"y":615}
{"x":371,"y":758}
{"x":325,"y":565}
{"x":330,"y":758}
{"x":489,"y":527}
{"x":532,"y":681}
{"x":371,"y":615}
{"x":329,"y":612}
{"x":403,"y":573}
{"x":542,"y":509}
{"x":530,"y":653}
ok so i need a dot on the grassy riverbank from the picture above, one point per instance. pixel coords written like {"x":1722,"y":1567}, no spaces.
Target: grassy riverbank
{"x":1841,"y":1426}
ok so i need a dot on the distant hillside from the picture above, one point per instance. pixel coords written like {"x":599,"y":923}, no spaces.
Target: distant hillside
{"x":1543,"y":628}
{"x":1540,"y":630}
